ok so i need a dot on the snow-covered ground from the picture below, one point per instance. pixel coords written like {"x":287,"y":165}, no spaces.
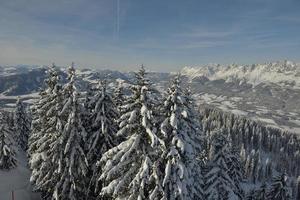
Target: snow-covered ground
{"x":17,"y":180}
{"x":252,"y":110}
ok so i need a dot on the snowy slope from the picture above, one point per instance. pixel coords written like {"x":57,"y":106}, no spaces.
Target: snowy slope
{"x":17,"y":180}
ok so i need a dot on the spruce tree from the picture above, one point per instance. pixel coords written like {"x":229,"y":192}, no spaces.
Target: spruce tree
{"x":88,"y":105}
{"x":293,"y":187}
{"x":279,"y":189}
{"x":217,"y":179}
{"x":261,"y":193}
{"x":21,"y":124}
{"x":268,"y":169}
{"x":119,"y":96}
{"x":40,"y":108}
{"x":127,"y":169}
{"x":46,"y":128}
{"x":235,"y":168}
{"x":69,"y":153}
{"x":298,"y":188}
{"x":243,"y":155}
{"x":251,"y":195}
{"x":260,"y":170}
{"x":181,"y":134}
{"x":102,"y":130}
{"x":7,"y":152}
{"x":254,"y":165}
{"x":103,"y":123}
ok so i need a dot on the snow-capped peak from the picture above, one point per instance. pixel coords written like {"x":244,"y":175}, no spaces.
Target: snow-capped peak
{"x":282,"y":72}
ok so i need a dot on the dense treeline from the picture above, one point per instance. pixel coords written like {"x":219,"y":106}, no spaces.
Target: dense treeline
{"x":280,"y":147}
{"x":105,"y":144}
{"x":264,"y":151}
{"x":7,"y":148}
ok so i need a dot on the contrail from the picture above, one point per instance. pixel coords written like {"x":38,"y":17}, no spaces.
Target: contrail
{"x":118,"y":20}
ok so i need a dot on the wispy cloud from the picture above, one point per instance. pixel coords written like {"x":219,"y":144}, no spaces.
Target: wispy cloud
{"x":171,"y":45}
{"x":200,"y":33}
{"x":287,"y":18}
{"x":192,"y":38}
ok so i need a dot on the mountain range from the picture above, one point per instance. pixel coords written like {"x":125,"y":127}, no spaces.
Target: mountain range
{"x":269,"y":92}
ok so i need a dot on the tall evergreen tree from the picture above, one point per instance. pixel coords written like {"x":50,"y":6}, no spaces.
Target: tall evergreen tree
{"x":7,"y":152}
{"x":243,"y":155}
{"x":255,"y":165}
{"x":217,"y":179}
{"x":127,"y":169}
{"x":251,"y":195}
{"x":181,"y":133}
{"x":103,"y":123}
{"x":293,"y":187}
{"x":88,"y":105}
{"x":102,"y":130}
{"x":261,"y":193}
{"x":69,"y":154}
{"x":40,"y":108}
{"x":119,"y":96}
{"x":21,"y":124}
{"x":279,"y":189}
{"x":235,"y":168}
{"x":268,"y":169}
{"x":298,"y":188}
{"x":46,"y":128}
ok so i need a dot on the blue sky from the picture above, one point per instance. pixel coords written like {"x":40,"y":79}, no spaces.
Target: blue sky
{"x":164,"y":35}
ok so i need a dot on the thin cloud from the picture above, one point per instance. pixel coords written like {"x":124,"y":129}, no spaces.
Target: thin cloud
{"x":176,"y":45}
{"x":203,"y":44}
{"x":285,"y":18}
{"x":199,"y":33}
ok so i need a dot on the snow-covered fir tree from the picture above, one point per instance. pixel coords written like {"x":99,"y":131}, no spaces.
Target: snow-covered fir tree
{"x":235,"y":168}
{"x":69,"y":153}
{"x":279,"y":189}
{"x":119,"y":96}
{"x":268,"y":169}
{"x":21,"y":124}
{"x":102,"y":130}
{"x":254,"y":166}
{"x":127,"y":169}
{"x":181,"y":132}
{"x":199,"y":138}
{"x":88,"y":105}
{"x":103,"y":123}
{"x":298,"y":188}
{"x":293,"y":186}
{"x":40,"y":108}
{"x":249,"y":164}
{"x":36,"y":125}
{"x":46,"y":128}
{"x":7,"y":151}
{"x":261,"y":192}
{"x":251,"y":195}
{"x":218,"y":179}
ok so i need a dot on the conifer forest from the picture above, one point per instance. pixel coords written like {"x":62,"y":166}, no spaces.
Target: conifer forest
{"x":138,"y":143}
